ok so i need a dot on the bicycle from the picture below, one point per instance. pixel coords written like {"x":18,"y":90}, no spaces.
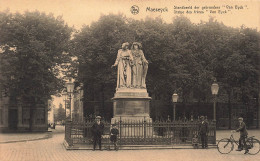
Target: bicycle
{"x":226,"y":145}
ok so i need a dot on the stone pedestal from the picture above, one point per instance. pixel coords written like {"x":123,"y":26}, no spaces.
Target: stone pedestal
{"x":132,"y":106}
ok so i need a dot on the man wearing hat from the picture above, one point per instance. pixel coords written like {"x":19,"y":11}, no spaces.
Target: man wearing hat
{"x":243,"y":135}
{"x":97,"y":131}
{"x":203,"y":132}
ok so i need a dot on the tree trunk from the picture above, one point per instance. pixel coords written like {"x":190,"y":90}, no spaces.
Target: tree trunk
{"x":31,"y":118}
{"x":198,"y":110}
{"x":229,"y":110}
{"x":103,"y":99}
{"x":258,"y":110}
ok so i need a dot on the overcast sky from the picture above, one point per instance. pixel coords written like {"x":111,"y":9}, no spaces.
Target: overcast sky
{"x":79,"y":12}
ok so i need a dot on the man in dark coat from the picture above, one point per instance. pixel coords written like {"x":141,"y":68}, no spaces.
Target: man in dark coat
{"x":203,"y":132}
{"x":97,"y":131}
{"x":243,"y":135}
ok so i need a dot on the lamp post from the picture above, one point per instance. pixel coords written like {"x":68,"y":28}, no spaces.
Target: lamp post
{"x":174,"y":100}
{"x":70,"y":88}
{"x":64,"y":95}
{"x":214,"y":91}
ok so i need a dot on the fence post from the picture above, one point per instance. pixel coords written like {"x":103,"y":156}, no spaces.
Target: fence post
{"x":120,"y":130}
{"x":144,"y":130}
{"x":70,"y":132}
{"x":215,"y":137}
{"x":68,"y":128}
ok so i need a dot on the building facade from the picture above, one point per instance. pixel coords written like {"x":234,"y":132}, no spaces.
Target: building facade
{"x":16,"y":117}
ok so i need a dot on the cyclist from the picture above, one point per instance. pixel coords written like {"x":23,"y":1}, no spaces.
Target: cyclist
{"x":243,"y":135}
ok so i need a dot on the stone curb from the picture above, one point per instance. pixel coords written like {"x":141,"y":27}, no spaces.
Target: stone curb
{"x":136,"y":147}
{"x":46,"y":136}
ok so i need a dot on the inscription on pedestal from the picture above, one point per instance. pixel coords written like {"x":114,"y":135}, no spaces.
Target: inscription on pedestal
{"x":119,"y":107}
{"x":131,"y":106}
{"x":134,"y":107}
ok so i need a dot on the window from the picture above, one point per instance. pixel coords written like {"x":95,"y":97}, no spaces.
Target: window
{"x":26,"y":116}
{"x":40,"y":116}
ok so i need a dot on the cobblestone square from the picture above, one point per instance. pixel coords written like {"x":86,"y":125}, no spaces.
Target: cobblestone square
{"x":52,"y":149}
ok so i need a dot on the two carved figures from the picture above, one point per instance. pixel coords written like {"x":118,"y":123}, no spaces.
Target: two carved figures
{"x":131,"y":66}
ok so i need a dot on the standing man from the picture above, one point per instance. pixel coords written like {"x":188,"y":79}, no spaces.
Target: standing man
{"x":97,"y":131}
{"x":203,"y":132}
{"x":243,"y":135}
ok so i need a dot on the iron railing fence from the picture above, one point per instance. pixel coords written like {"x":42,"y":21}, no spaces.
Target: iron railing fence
{"x":140,"y":132}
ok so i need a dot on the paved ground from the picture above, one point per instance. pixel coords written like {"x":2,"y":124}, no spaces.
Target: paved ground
{"x":21,"y":137}
{"x":52,"y":149}
{"x":15,"y":137}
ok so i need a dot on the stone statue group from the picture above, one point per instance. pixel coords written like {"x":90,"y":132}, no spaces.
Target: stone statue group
{"x":131,"y":66}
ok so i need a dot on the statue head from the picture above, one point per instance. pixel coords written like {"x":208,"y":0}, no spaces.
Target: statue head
{"x":125,"y":45}
{"x":136,"y":45}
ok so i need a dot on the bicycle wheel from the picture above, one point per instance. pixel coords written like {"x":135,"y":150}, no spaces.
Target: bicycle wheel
{"x":253,"y":146}
{"x":225,"y":146}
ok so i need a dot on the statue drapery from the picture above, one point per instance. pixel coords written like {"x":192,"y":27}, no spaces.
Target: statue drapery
{"x":132,"y":67}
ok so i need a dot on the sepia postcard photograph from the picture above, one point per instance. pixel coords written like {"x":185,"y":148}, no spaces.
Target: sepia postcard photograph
{"x":129,"y":80}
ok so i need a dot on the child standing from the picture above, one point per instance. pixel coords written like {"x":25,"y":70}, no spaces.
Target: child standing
{"x":113,"y":136}
{"x":195,"y":141}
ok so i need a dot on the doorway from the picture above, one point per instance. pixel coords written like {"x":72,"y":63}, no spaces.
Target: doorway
{"x":12,"y":119}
